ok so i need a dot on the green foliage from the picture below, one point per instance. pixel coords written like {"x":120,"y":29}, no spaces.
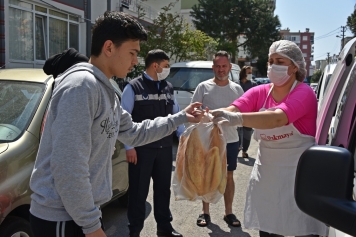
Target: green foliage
{"x":136,"y":71}
{"x":316,"y":76}
{"x":261,"y":64}
{"x":172,"y":34}
{"x":252,"y":19}
{"x":351,"y":22}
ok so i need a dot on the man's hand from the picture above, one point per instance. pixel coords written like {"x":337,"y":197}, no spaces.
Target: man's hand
{"x":224,"y":117}
{"x":131,"y":156}
{"x":194,"y":114}
{"x":97,"y":233}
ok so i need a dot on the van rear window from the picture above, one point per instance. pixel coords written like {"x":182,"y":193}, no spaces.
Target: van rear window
{"x":189,"y":78}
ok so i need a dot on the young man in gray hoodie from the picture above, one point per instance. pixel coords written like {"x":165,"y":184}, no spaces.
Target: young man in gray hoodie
{"x":72,"y":172}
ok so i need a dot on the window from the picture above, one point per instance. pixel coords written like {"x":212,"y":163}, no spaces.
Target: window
{"x":293,"y":38}
{"x":40,"y":39}
{"x":21,"y":34}
{"x":188,"y":78}
{"x":305,"y":46}
{"x":57,"y":36}
{"x":305,"y":55}
{"x":305,"y":38}
{"x":36,"y":32}
{"x":18,"y":103}
{"x":73,"y":36}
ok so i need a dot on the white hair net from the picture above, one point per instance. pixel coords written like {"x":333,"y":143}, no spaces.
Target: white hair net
{"x":290,"y":50}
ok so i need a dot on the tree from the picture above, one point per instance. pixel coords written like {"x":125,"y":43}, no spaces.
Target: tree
{"x":252,"y":20}
{"x":176,"y":37}
{"x":351,"y":22}
{"x":316,"y":76}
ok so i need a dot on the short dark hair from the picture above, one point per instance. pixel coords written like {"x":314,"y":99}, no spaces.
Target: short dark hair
{"x":243,"y":73}
{"x":117,"y":27}
{"x":222,"y":53}
{"x":155,"y":56}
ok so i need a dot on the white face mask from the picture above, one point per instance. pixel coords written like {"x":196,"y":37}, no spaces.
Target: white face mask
{"x":278,"y":74}
{"x":249,"y":77}
{"x":164,"y":74}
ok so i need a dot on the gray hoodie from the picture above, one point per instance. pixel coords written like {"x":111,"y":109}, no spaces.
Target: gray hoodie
{"x":72,"y":175}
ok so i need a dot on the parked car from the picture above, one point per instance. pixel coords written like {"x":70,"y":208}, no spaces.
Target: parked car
{"x":262,"y":80}
{"x":185,"y":77}
{"x":314,"y":86}
{"x":24,"y":98}
{"x":306,"y":81}
{"x":325,"y":181}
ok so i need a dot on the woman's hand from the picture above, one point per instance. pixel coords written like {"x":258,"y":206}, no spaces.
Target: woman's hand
{"x":225,"y":117}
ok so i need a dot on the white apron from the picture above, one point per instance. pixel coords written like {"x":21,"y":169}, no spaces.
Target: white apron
{"x":270,"y":204}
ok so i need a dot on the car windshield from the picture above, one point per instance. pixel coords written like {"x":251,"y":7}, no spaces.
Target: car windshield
{"x":189,"y":78}
{"x":18,"y":103}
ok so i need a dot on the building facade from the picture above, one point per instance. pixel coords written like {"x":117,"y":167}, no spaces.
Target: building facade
{"x":33,"y":30}
{"x":305,"y":41}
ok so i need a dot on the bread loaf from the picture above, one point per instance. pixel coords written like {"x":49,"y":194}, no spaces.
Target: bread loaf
{"x":215,"y":138}
{"x":217,"y":172}
{"x":201,"y":171}
{"x":180,"y":157}
{"x":213,"y":172}
{"x":195,"y":160}
{"x":222,"y":184}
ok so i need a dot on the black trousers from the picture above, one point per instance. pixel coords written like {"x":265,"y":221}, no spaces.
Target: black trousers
{"x":43,"y":228}
{"x":155,"y":163}
{"x":247,"y":134}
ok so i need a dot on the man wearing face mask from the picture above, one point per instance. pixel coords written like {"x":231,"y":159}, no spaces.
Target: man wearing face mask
{"x":246,"y":132}
{"x":147,"y":97}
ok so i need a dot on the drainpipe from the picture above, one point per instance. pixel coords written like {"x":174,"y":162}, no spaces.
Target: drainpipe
{"x":87,"y":4}
{"x":108,"y":5}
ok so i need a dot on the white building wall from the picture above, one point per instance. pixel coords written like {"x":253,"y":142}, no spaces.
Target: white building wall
{"x":97,"y":9}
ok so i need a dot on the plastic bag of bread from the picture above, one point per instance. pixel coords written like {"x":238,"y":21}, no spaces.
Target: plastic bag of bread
{"x":200,"y":172}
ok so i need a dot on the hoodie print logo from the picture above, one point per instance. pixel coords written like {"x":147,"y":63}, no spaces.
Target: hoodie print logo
{"x":276,"y":137}
{"x":110,"y":126}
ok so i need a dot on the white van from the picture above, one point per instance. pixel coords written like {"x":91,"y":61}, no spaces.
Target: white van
{"x":185,"y":76}
{"x":323,"y":82}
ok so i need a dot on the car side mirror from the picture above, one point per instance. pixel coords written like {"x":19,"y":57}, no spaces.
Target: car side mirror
{"x":323,"y":186}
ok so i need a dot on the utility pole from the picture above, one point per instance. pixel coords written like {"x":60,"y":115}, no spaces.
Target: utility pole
{"x":343,"y":30}
{"x":328,"y":58}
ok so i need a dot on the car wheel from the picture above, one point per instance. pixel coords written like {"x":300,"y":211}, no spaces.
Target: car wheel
{"x":14,"y":226}
{"x":124,"y":200}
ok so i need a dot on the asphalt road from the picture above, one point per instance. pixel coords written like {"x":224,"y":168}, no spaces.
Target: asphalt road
{"x":185,"y":213}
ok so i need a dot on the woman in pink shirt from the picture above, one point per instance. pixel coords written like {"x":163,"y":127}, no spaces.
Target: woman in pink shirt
{"x":283,"y":115}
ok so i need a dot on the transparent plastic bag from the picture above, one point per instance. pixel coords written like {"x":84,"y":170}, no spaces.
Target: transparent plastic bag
{"x":201,"y":166}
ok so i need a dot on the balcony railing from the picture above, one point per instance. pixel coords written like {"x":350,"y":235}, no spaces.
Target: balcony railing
{"x":140,"y":7}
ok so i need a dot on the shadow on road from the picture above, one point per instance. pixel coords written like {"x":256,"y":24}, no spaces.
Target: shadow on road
{"x":115,"y":219}
{"x":218,"y":232}
{"x":246,"y":161}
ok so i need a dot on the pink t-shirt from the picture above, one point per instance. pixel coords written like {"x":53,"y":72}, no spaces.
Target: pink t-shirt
{"x":300,"y":106}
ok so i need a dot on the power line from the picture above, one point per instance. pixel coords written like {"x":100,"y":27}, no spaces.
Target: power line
{"x":326,"y":36}
{"x":327,"y":33}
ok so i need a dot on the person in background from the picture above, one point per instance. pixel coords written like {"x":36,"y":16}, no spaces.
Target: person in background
{"x":246,"y":84}
{"x":283,"y":114}
{"x":147,"y":97}
{"x":216,"y":93}
{"x":71,"y":178}
{"x":59,"y":63}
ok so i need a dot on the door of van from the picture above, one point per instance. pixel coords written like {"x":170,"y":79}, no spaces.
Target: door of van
{"x":333,"y":90}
